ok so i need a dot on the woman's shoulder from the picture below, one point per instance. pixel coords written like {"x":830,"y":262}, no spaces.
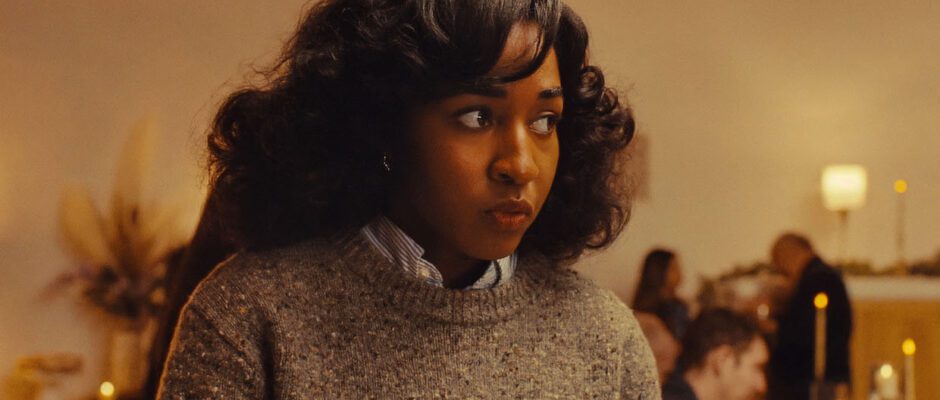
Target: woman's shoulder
{"x":609,"y":323}
{"x":594,"y":305}
{"x":253,"y":279}
{"x":572,"y":285}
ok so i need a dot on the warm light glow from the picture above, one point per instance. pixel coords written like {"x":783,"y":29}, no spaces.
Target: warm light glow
{"x":821,"y":300}
{"x":886,"y":371}
{"x":900,"y":186}
{"x":106,"y":389}
{"x":844,"y":186}
{"x":908,"y":347}
{"x":763,"y":311}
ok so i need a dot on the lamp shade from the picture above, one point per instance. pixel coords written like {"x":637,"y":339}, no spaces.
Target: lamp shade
{"x":844,"y":187}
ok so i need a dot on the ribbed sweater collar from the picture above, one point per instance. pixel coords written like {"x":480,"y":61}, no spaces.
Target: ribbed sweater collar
{"x":412,"y":296}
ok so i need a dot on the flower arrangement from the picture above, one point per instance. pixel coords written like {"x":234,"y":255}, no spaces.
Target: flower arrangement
{"x":758,"y":281}
{"x":925,"y":267}
{"x":720,"y":291}
{"x":121,"y":257}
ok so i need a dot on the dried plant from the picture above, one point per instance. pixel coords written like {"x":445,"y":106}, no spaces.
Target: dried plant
{"x":121,"y":257}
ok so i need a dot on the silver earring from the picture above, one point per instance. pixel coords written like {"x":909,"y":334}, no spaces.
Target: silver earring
{"x":386,"y":162}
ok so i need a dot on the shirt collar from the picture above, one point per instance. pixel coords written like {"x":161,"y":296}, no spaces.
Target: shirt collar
{"x":404,"y":252}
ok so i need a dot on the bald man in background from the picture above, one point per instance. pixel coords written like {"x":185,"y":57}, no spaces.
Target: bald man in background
{"x":792,"y":356}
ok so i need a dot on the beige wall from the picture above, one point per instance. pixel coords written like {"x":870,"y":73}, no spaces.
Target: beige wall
{"x":74,"y":78}
{"x":743,"y":103}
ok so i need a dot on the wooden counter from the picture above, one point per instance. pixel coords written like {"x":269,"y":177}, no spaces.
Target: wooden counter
{"x":887,"y":311}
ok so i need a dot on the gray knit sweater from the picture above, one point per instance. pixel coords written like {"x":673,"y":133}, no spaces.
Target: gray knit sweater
{"x":334,"y":319}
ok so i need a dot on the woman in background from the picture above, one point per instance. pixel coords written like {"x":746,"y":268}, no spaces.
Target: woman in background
{"x":408,"y":190}
{"x":664,"y":345}
{"x":656,"y":292}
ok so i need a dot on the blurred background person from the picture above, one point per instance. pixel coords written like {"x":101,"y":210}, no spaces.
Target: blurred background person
{"x":664,"y":345}
{"x":656,"y":292}
{"x":792,"y":357}
{"x":723,"y":358}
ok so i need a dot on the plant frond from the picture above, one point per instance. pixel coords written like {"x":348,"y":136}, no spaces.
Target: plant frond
{"x":83,"y":228}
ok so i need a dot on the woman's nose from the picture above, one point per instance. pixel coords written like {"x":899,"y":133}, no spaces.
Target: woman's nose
{"x":515,"y":156}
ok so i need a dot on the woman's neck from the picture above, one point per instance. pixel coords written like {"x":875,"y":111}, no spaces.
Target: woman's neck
{"x":457,"y":271}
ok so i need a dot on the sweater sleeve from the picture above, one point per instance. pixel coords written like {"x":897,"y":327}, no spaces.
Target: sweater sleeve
{"x":203,"y":363}
{"x":640,"y":380}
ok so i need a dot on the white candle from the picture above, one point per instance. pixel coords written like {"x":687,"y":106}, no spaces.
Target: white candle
{"x":821,"y":301}
{"x":908,"y":349}
{"x":886,"y":382}
{"x":900,"y":187}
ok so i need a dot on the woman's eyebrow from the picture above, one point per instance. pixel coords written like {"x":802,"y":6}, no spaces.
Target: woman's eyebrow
{"x":494,"y":91}
{"x":550,"y":93}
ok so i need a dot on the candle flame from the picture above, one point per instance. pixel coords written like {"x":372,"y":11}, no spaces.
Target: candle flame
{"x":908,"y":347}
{"x":900,"y":186}
{"x":821,"y":300}
{"x":886,"y":371}
{"x":106,"y":389}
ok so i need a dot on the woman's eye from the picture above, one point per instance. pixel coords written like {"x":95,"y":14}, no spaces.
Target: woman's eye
{"x":476,"y":119}
{"x":545,"y":124}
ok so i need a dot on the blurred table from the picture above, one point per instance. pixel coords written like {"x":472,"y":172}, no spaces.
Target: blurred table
{"x":888,"y":310}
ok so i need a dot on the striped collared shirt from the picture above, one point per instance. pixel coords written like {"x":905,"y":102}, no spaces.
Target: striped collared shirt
{"x":404,"y":252}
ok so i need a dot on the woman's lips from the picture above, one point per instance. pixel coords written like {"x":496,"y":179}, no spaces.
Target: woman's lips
{"x":510,"y":215}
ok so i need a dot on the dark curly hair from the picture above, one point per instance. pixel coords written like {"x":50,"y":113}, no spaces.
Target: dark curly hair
{"x":300,"y":157}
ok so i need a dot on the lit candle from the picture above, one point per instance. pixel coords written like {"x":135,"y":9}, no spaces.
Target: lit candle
{"x":900,"y":187}
{"x":820,"y":301}
{"x":908,"y":349}
{"x":106,"y":391}
{"x":886,"y":382}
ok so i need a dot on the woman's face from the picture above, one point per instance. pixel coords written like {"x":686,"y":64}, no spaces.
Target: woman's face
{"x":478,"y":166}
{"x":673,"y":277}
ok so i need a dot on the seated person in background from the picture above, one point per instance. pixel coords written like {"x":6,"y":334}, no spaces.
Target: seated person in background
{"x":665,"y":347}
{"x":656,"y":292}
{"x":792,"y":358}
{"x":723,"y":358}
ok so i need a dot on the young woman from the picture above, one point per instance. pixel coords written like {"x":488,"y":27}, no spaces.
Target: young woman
{"x":408,"y":189}
{"x":656,"y":292}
